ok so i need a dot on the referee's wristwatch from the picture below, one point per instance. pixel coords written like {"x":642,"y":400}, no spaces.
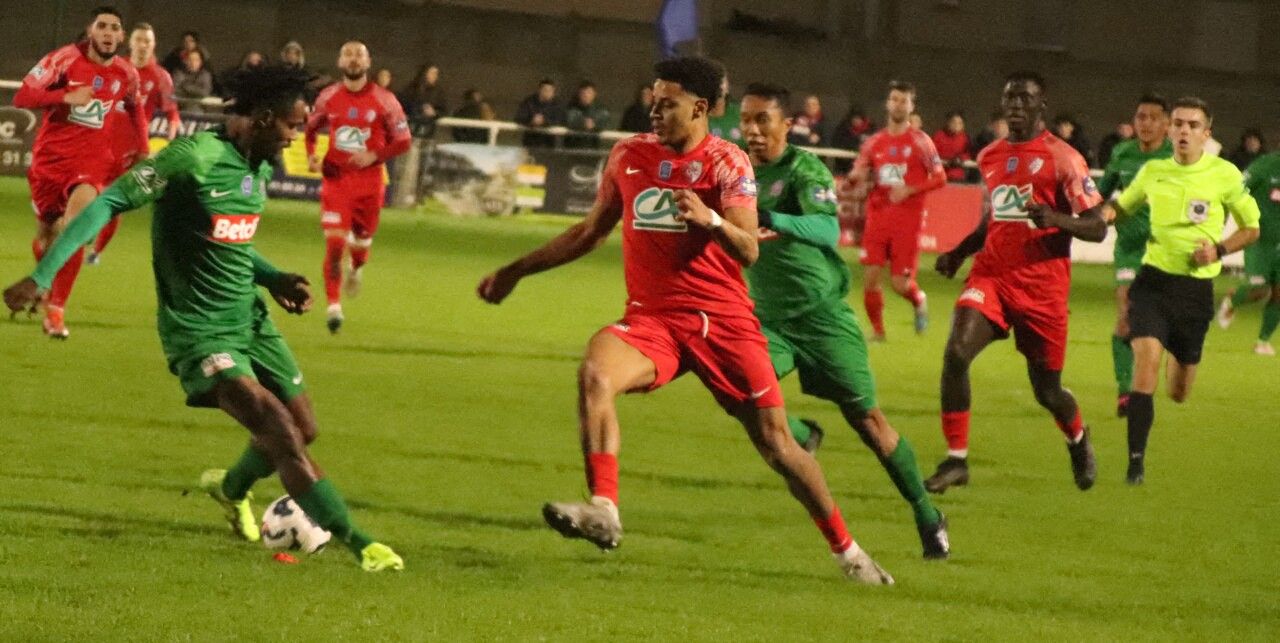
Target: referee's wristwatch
{"x":1221,"y":250}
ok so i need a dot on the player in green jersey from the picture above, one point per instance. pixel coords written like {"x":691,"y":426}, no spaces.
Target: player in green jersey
{"x":1262,"y":259}
{"x":723,"y":120}
{"x":1151,"y":128}
{"x":799,"y":284}
{"x":209,"y":191}
{"x":1171,"y":300}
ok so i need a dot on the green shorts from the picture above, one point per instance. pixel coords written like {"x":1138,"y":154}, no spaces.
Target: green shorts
{"x":827,"y":347}
{"x":1262,"y":264}
{"x":260,"y":353}
{"x":1128,"y":259}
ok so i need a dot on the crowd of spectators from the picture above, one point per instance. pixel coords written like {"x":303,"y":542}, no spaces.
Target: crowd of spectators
{"x":585,"y":114}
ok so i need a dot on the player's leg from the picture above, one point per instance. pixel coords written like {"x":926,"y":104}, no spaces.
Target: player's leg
{"x":335,"y":222}
{"x":767,"y":428}
{"x":904,"y":257}
{"x":611,"y":367}
{"x":874,"y":256}
{"x":1258,"y":261}
{"x":1121,"y":352}
{"x":366,"y":215}
{"x":782,"y":354}
{"x":78,"y":198}
{"x":971,"y":332}
{"x":1147,"y":353}
{"x":1270,"y":320}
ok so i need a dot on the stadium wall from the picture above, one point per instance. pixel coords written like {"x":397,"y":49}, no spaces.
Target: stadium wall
{"x":1098,"y":54}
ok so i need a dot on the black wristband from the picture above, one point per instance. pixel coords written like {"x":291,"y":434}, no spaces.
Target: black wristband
{"x":764,"y":218}
{"x":1222,"y":250}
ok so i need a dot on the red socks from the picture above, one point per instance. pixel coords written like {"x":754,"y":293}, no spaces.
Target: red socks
{"x":955,"y":426}
{"x":914,"y":294}
{"x":602,"y":475}
{"x":333,"y":247}
{"x":359,"y":256}
{"x":104,"y":236}
{"x":65,"y":279}
{"x":1071,"y":429}
{"x":834,"y":531}
{"x":873,"y":300}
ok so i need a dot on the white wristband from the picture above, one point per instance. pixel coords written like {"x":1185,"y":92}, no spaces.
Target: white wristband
{"x":716,"y":220}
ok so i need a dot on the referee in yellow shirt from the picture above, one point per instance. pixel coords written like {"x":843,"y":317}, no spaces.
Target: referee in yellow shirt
{"x":1171,"y":300}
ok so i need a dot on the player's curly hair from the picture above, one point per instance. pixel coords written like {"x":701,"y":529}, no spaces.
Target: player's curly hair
{"x":1027,"y":77}
{"x":259,"y":89}
{"x":697,"y":75}
{"x":771,"y":91}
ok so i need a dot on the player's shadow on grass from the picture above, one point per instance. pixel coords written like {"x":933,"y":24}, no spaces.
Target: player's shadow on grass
{"x":100,"y":524}
{"x":453,"y":519}
{"x":427,"y":351}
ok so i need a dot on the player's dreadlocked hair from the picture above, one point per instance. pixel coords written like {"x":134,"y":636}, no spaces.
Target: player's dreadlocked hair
{"x":697,"y":75}
{"x":271,"y":87}
{"x":1027,"y":77}
{"x":771,"y":91}
{"x":1152,"y":98}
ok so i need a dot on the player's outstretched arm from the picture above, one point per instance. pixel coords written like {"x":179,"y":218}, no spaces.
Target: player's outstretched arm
{"x":819,"y":230}
{"x":292,"y":291}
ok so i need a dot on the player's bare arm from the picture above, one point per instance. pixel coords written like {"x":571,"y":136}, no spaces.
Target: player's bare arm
{"x":1207,"y":253}
{"x":948,"y":263}
{"x":1089,"y":225}
{"x":735,"y":230}
{"x":22,"y":295}
{"x":570,"y":245}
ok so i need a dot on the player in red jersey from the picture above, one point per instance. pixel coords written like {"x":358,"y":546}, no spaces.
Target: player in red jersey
{"x":1040,"y":196}
{"x":366,"y":128}
{"x":155,"y":88}
{"x":688,"y":307}
{"x":83,"y":89}
{"x":893,"y":171}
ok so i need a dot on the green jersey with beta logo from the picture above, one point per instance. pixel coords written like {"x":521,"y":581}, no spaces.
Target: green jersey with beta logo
{"x":798,"y":268}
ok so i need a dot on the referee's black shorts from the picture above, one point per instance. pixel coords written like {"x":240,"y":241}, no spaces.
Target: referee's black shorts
{"x":1175,"y":309}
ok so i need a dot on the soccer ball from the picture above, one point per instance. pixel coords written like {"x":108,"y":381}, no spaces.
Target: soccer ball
{"x":285,"y":526}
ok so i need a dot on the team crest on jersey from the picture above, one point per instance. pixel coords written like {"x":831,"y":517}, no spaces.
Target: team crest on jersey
{"x":1011,"y":165}
{"x":115,"y":86}
{"x":664,"y":170}
{"x":693,"y":170}
{"x":147,"y":179}
{"x":1035,"y":165}
{"x":775,"y":190}
{"x":92,"y":114}
{"x":893,"y":151}
{"x":351,"y":139}
{"x":370,"y":115}
{"x":98,"y":82}
{"x":37,"y":72}
{"x":823,"y":194}
{"x":906,"y":152}
{"x":655,"y":209}
{"x":1198,"y":211}
{"x":233,"y":228}
{"x":1009,"y":202}
{"x":747,"y":186}
{"x":351,"y":112}
{"x":246,"y":185}
{"x":150,"y":85}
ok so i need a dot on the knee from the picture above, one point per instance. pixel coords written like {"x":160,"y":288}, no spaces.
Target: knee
{"x":1048,"y":397}
{"x":593,"y":382}
{"x":900,"y":285}
{"x":1178,"y":394}
{"x":955,"y":358}
{"x":1122,"y":327}
{"x":308,"y":430}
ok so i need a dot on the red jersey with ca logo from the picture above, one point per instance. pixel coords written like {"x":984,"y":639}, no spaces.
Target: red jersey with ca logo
{"x":670,"y":264}
{"x":369,"y":120}
{"x":891,"y":160}
{"x":155,"y":94}
{"x":82,"y":136}
{"x":1044,"y":170}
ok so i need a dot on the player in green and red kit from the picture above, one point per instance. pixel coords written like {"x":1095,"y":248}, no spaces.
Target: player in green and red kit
{"x":209,"y":191}
{"x":799,"y":284}
{"x":1262,"y":259}
{"x":1150,"y":126}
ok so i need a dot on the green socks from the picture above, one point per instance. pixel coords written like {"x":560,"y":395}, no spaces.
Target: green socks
{"x":325,"y":506}
{"x":902,"y":469}
{"x":799,"y":430}
{"x":1122,"y":358}
{"x":1241,"y":296}
{"x":250,"y":468}
{"x":1270,"y":319}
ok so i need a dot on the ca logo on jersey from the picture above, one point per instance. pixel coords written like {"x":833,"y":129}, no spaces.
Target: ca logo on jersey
{"x":1009,"y":202}
{"x":93,"y":114}
{"x":891,"y":174}
{"x":351,"y":139}
{"x":655,"y":209}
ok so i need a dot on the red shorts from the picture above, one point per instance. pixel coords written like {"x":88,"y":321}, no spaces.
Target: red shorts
{"x":729,"y":354}
{"x":892,"y":237}
{"x":351,"y":205}
{"x":50,"y":188}
{"x":1039,"y":322}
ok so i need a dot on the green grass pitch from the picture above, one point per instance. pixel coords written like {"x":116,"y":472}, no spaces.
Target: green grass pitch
{"x":447,"y":422}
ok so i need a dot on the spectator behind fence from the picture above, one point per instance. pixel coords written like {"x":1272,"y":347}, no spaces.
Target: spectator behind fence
{"x":383,"y":78}
{"x":176,"y":59}
{"x":474,"y":106}
{"x":953,"y":146}
{"x":293,"y":56}
{"x":192,"y":83}
{"x":809,"y":127}
{"x":424,"y":100}
{"x":849,"y":134}
{"x":997,"y":129}
{"x":1122,"y":132}
{"x":636,"y":118}
{"x":1066,"y":128}
{"x":540,"y":109}
{"x":1252,"y":145}
{"x":585,"y":114}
